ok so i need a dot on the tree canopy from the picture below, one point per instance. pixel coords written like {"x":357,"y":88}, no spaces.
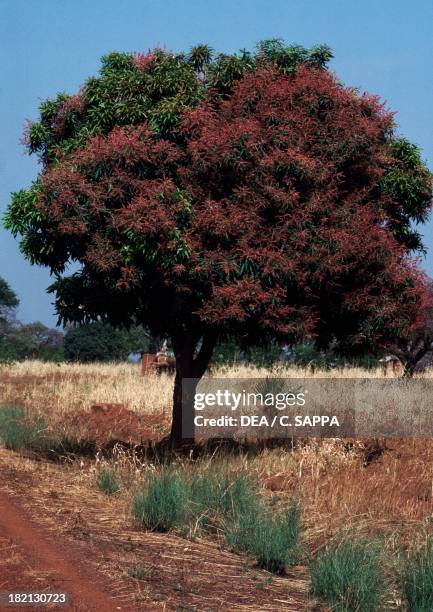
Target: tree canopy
{"x":248,"y":195}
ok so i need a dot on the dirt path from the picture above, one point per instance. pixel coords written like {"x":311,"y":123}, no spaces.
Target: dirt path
{"x":59,"y":570}
{"x":59,"y":533}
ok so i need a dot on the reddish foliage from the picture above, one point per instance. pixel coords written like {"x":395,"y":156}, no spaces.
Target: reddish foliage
{"x":143,"y":61}
{"x":72,"y":105}
{"x":266,"y":215}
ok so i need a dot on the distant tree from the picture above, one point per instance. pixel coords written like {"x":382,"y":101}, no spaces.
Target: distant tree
{"x":230,"y":352}
{"x":43,"y":342}
{"x":8,"y":300}
{"x":8,"y":304}
{"x":247,"y":195}
{"x":140,"y":340}
{"x":19,"y":341}
{"x":22,"y":341}
{"x":101,"y":342}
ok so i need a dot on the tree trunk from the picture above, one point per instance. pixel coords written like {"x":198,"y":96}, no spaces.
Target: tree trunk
{"x":188,"y":365}
{"x":409,"y":369}
{"x":412,"y":359}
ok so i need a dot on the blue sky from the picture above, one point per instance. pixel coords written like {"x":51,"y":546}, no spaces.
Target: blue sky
{"x":381,"y":46}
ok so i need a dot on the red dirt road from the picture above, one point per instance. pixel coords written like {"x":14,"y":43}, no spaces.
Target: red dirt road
{"x":61,"y":571}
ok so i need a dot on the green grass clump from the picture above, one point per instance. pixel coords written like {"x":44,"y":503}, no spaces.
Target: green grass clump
{"x":205,"y":493}
{"x":418,"y":579}
{"x":139,"y":572}
{"x":239,"y":532}
{"x":217,"y":494}
{"x":163,"y":505}
{"x":272,"y":538}
{"x":19,"y":431}
{"x":275,"y":540}
{"x":107,"y":482}
{"x":214,"y":500}
{"x":348,"y":577}
{"x":239,"y":497}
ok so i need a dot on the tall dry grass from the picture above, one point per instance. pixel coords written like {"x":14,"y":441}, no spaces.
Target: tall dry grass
{"x":67,"y":387}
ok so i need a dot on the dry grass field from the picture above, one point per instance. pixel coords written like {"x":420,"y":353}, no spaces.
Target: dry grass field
{"x":68,"y":387}
{"x":377,"y":489}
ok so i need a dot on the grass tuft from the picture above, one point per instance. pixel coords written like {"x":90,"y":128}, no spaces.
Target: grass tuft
{"x":239,"y":532}
{"x":139,"y":572}
{"x":418,"y":579}
{"x":272,"y":538}
{"x":348,"y":577}
{"x":107,"y":481}
{"x":163,"y":505}
{"x":216,"y":494}
{"x":19,"y":431}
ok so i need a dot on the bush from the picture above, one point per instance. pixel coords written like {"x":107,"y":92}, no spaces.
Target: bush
{"x":274,"y":540}
{"x":239,"y":497}
{"x":107,"y":481}
{"x":164,"y":504}
{"x":19,"y":431}
{"x":418,"y":580}
{"x":348,"y":577}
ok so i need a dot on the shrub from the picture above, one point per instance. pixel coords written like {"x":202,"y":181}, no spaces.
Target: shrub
{"x":205,"y":493}
{"x":418,"y":579}
{"x":347,"y":577}
{"x":19,"y":431}
{"x":274,"y":540}
{"x":164,"y":504}
{"x":107,"y":481}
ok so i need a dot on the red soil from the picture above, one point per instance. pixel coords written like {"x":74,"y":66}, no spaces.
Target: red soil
{"x":106,"y":423}
{"x":39,"y":567}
